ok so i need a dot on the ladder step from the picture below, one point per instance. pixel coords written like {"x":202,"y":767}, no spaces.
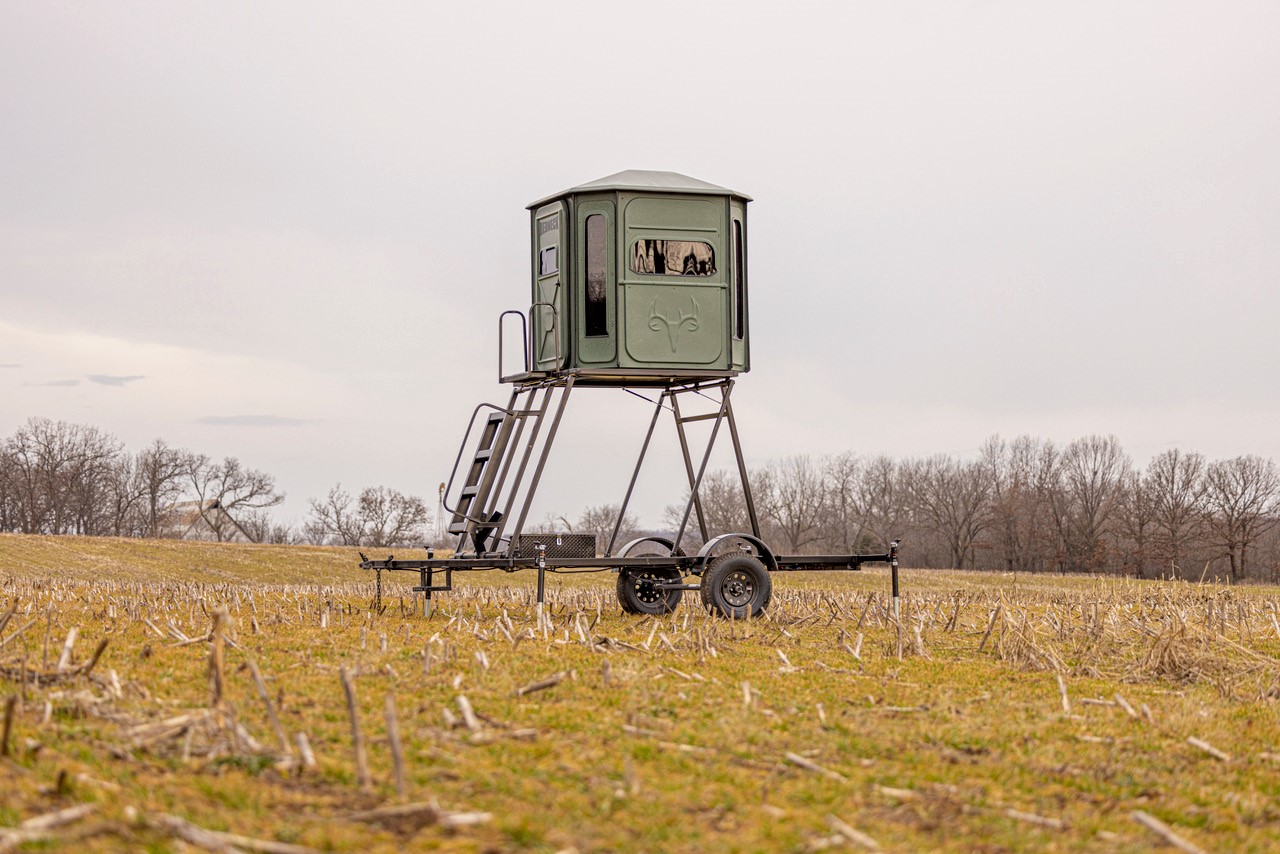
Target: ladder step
{"x":495,"y":417}
{"x":470,"y":491}
{"x":458,"y":527}
{"x":483,"y":454}
{"x":706,"y":417}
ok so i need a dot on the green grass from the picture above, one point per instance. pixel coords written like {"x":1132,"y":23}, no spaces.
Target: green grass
{"x":670,"y":750}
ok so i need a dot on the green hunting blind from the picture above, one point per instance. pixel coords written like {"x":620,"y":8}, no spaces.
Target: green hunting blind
{"x":640,"y":272}
{"x":639,"y":284}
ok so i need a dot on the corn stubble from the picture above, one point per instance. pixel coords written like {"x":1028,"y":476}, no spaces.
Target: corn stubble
{"x":189,"y":703}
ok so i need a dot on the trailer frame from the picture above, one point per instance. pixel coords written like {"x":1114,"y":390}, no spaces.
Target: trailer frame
{"x":496,"y":478}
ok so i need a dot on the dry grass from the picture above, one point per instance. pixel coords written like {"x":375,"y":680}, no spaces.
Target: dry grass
{"x":205,"y":695}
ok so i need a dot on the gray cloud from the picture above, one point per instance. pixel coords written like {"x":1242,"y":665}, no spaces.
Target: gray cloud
{"x":54,"y":383}
{"x":10,"y":365}
{"x":250,"y":421}
{"x":108,"y":379}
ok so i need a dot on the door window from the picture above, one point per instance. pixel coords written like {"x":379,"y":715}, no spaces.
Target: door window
{"x":596,"y":321}
{"x":547,"y":263}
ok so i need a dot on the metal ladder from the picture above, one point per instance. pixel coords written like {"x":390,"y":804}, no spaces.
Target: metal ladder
{"x":494,"y":477}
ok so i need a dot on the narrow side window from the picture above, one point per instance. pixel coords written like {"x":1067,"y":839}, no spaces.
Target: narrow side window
{"x":739,"y":283}
{"x":596,"y":319}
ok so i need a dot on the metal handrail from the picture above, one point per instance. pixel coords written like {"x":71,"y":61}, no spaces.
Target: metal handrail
{"x":461,"y":450}
{"x":524,"y":340}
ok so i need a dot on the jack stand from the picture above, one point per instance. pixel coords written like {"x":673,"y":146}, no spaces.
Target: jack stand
{"x":542,"y":578}
{"x":893,"y":568}
{"x":426,"y":584}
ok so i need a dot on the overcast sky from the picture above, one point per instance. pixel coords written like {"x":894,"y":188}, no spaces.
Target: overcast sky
{"x":284,"y":231}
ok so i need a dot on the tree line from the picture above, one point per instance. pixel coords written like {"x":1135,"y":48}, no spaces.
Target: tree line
{"x":63,"y":478}
{"x":1025,"y":504}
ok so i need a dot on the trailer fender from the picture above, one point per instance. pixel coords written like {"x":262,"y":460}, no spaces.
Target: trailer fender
{"x":766,"y":553}
{"x":665,"y":543}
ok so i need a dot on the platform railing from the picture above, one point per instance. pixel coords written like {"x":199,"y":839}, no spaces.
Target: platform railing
{"x":524,"y":341}
{"x":526,"y":345}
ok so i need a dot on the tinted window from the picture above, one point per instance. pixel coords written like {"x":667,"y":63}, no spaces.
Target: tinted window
{"x":739,"y":282}
{"x":673,"y":258}
{"x":596,"y":317}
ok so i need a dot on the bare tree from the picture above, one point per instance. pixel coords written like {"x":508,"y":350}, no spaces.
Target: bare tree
{"x":228,"y":489}
{"x":8,"y":507}
{"x":119,"y":501}
{"x":844,"y":520}
{"x":263,"y":528}
{"x":1024,"y":477}
{"x":1242,"y":496}
{"x":723,"y":505}
{"x":380,"y":517}
{"x":56,"y":475}
{"x":314,"y":533}
{"x":335,"y":520}
{"x":599,"y":520}
{"x":794,"y":502}
{"x":96,"y":458}
{"x":953,"y":499}
{"x":1175,"y":483}
{"x":161,"y":474}
{"x":1135,"y":521}
{"x":1093,"y":470}
{"x":882,"y":500}
{"x":28,"y":500}
{"x":392,"y":518}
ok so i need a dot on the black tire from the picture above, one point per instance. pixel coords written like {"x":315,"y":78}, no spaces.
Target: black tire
{"x":637,"y":595}
{"x":737,"y":586}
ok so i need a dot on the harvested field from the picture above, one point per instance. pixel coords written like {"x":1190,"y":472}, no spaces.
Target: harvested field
{"x":170,"y":696}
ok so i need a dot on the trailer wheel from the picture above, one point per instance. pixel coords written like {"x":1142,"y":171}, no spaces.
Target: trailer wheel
{"x":736,"y":585}
{"x":637,"y":594}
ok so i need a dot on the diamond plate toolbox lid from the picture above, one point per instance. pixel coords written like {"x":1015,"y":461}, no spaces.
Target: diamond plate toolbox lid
{"x":559,"y":546}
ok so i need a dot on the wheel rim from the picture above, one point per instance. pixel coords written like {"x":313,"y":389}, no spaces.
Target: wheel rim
{"x":644,"y":589}
{"x":738,"y":588}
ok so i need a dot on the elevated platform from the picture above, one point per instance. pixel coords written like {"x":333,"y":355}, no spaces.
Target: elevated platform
{"x":620,"y":377}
